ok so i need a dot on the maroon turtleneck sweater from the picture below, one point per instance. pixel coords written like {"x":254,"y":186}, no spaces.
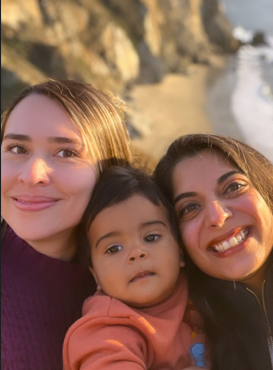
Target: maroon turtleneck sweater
{"x":41,"y":297}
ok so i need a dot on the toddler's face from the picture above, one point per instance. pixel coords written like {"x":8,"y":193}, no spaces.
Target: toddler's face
{"x":135,"y":256}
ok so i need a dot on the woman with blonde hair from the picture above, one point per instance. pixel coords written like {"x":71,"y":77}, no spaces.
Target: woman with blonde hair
{"x":57,"y":137}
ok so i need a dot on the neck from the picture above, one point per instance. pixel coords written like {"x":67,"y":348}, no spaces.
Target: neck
{"x":60,"y":246}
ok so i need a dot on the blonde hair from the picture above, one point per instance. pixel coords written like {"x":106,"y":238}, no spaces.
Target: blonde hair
{"x":96,"y":115}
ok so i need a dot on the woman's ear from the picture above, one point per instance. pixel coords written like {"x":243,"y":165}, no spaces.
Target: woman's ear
{"x":95,"y":277}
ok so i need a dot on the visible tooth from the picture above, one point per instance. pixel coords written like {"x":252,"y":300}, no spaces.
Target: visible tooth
{"x":239,"y":238}
{"x":233,"y":241}
{"x":218,"y":247}
{"x":225,"y":245}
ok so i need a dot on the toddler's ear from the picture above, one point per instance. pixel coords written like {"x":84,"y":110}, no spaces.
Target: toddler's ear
{"x":182,"y":261}
{"x":95,"y":277}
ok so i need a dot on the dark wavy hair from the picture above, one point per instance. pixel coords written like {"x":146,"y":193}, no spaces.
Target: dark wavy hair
{"x":116,"y":185}
{"x":234,"y":327}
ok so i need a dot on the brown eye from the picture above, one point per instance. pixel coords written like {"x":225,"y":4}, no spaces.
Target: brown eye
{"x":67,"y":153}
{"x":235,"y":186}
{"x":16,"y":149}
{"x":151,"y":238}
{"x":114,"y":249}
{"x":188,"y":208}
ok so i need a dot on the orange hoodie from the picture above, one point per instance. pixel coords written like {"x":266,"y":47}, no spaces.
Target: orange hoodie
{"x":114,"y":336}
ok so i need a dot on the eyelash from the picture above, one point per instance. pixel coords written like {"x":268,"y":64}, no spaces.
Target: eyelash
{"x":13,"y":146}
{"x":152,"y":235}
{"x":108,"y":251}
{"x":229,"y":190}
{"x":239,"y":186}
{"x":75,"y":154}
{"x":10,"y":147}
{"x":184,"y":209}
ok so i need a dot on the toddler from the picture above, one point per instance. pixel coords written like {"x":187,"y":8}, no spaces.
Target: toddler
{"x":138,"y":319}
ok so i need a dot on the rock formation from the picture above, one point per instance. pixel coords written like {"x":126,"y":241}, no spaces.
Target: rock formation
{"x":109,"y":43}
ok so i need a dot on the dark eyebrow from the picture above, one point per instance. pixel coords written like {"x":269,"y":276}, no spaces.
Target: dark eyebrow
{"x":226,"y":175}
{"x":17,"y":137}
{"x":154,"y":222}
{"x":219,"y":181}
{"x":53,"y":139}
{"x":116,"y":233}
{"x":112,"y":233}
{"x":184,"y":195}
{"x":63,"y":140}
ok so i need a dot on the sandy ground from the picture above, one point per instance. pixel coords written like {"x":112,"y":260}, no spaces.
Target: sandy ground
{"x":175,"y":107}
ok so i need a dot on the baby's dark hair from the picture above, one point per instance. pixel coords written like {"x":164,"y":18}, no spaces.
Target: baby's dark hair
{"x":116,"y":185}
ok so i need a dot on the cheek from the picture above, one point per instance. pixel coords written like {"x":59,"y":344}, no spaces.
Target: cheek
{"x":7,"y":184}
{"x":78,"y":191}
{"x":7,"y":174}
{"x":268,"y":230}
{"x":110,"y":278}
{"x":80,"y":185}
{"x":189,"y":235}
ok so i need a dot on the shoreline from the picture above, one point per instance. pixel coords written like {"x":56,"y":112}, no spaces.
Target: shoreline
{"x":221,"y":83}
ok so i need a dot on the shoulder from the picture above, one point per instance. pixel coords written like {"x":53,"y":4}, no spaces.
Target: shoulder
{"x":104,"y":316}
{"x":102,"y":311}
{"x":101,"y":305}
{"x":106,"y":327}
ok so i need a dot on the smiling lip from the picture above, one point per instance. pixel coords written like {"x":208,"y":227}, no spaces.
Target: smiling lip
{"x":228,"y":236}
{"x":33,"y":203}
{"x":225,"y":236}
{"x":142,"y":275}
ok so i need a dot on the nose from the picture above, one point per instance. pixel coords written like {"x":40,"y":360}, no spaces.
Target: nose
{"x":217,"y":214}
{"x":137,"y":253}
{"x":35,"y":171}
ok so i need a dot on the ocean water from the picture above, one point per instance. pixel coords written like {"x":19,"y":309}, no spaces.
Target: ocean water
{"x":242,"y":94}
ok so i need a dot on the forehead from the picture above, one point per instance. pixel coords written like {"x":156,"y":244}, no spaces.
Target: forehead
{"x":206,"y":166}
{"x":38,"y":115}
{"x":132,"y":212}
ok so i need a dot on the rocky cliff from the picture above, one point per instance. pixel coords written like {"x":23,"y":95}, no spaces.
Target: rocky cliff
{"x":109,"y":43}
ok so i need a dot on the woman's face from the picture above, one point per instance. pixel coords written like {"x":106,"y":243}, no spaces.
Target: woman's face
{"x":226,"y":225}
{"x":47,"y":175}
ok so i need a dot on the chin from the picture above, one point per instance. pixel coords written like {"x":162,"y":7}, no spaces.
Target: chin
{"x":240,"y":276}
{"x":34,"y":234}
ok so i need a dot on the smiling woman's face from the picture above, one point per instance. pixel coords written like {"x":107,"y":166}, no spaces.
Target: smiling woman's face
{"x":47,"y":175}
{"x":226,"y":225}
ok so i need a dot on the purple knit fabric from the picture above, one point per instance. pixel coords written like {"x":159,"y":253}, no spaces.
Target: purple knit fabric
{"x":41,"y":297}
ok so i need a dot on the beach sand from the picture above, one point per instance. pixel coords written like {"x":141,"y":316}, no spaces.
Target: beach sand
{"x":177,"y":106}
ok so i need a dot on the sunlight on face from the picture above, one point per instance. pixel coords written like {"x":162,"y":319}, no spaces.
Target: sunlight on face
{"x":47,"y":177}
{"x":134,"y":254}
{"x":226,"y":225}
